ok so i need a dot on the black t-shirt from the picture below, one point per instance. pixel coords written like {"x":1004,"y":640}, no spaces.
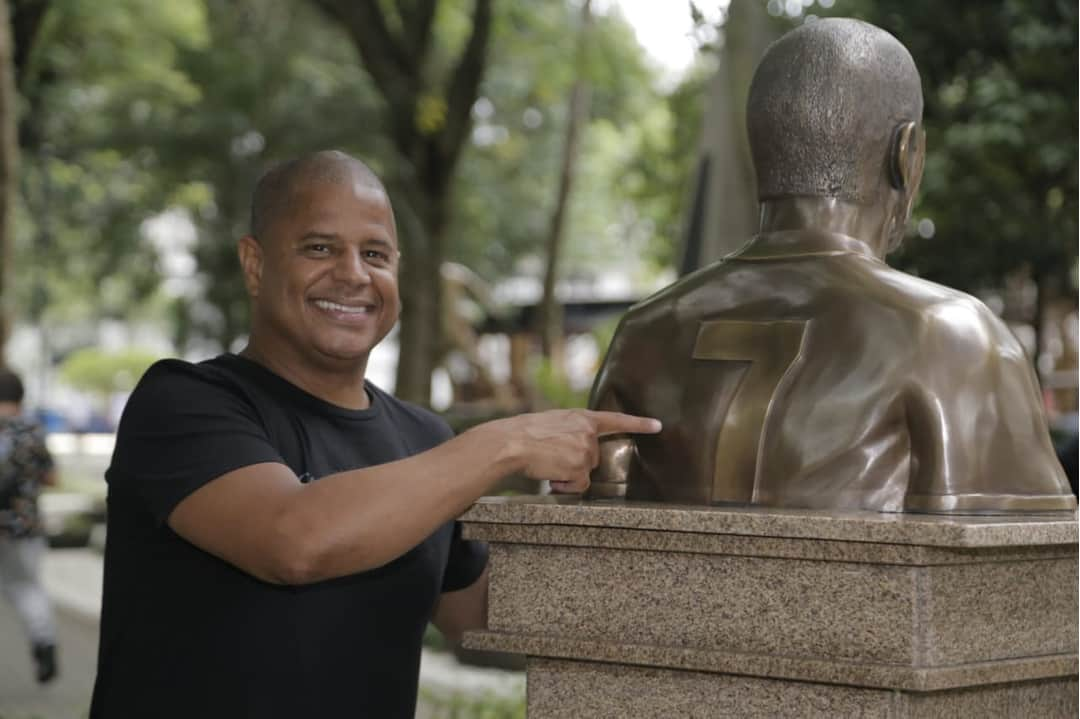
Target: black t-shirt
{"x":185,"y":634}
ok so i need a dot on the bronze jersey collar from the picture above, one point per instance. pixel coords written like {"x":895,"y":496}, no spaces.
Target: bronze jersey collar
{"x":799,"y":243}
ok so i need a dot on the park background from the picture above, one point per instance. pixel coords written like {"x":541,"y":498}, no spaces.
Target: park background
{"x":550,"y":162}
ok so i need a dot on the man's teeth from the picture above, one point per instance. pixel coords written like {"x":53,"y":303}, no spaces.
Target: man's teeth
{"x":335,"y":307}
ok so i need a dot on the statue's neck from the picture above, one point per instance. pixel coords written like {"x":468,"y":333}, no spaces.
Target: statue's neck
{"x":867,"y":223}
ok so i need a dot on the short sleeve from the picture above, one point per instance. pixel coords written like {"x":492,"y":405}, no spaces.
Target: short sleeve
{"x":183,"y":426}
{"x":465,"y":563}
{"x":423,"y":430}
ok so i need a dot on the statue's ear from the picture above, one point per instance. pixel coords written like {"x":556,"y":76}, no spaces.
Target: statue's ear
{"x":903,"y":155}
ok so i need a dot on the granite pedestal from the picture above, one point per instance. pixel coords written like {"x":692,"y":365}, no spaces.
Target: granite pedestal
{"x":635,"y":610}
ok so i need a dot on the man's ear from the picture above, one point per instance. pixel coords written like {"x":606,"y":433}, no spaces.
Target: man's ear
{"x":251,"y":262}
{"x":905,"y":156}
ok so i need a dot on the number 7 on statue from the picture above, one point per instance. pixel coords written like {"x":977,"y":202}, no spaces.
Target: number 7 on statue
{"x":772,"y":349}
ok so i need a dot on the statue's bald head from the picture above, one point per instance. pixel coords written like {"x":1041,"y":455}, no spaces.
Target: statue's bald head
{"x":824,"y":105}
{"x":280,"y":186}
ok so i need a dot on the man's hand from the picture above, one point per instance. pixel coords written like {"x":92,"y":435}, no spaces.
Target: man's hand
{"x":562,"y":446}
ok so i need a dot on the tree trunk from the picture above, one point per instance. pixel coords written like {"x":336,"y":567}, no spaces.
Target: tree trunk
{"x":422,"y":234}
{"x":1046,"y":292}
{"x":728,"y":216}
{"x":9,"y":151}
{"x":550,"y":315}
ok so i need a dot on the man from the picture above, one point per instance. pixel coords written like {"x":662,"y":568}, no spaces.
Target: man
{"x":280,"y":530}
{"x":802,"y":371}
{"x":25,"y":467}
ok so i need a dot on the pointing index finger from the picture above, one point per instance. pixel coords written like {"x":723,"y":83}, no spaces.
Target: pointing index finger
{"x":619,"y":423}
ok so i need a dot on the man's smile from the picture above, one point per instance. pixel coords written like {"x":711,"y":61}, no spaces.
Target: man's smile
{"x":345,"y":311}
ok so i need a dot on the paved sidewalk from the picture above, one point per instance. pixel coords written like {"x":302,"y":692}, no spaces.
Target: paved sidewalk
{"x":68,"y":697}
{"x":73,"y":579}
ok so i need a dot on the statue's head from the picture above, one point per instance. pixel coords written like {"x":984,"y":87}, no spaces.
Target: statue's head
{"x":835,"y":110}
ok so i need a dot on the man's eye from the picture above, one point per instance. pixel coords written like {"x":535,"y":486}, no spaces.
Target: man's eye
{"x":317,"y":248}
{"x":376,"y":256}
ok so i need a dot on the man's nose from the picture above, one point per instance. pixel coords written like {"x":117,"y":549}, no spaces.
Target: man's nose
{"x":352,"y":268}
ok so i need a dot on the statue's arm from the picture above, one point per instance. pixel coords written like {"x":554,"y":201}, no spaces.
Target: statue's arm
{"x":616,"y":453}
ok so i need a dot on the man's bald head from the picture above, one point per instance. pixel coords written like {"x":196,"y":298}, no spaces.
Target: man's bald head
{"x":824,"y":104}
{"x":280,"y":186}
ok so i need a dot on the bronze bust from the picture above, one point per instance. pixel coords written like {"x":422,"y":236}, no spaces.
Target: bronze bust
{"x":801,"y":370}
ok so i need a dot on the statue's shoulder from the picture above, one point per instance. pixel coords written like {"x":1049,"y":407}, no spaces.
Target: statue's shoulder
{"x":943,"y":315}
{"x":664,"y":304}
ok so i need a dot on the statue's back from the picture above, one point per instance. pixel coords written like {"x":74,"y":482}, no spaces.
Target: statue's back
{"x":805,"y":372}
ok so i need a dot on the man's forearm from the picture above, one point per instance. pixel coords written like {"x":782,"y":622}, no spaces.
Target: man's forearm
{"x":365,"y":518}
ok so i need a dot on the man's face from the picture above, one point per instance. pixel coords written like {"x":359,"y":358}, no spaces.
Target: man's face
{"x":324,"y":278}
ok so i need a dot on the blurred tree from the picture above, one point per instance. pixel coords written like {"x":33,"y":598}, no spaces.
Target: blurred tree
{"x":103,"y":373}
{"x":86,"y":78}
{"x":146,"y":107}
{"x":8,"y":156}
{"x":429,"y":87}
{"x":144,"y":126}
{"x":549,"y":318}
{"x":659,"y":173}
{"x":1000,"y":186}
{"x":623,"y":202}
{"x":725,"y":210}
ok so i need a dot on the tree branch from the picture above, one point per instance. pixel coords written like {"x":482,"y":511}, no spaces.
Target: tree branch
{"x":465,"y":86}
{"x":417,"y":18}
{"x":383,"y":56}
{"x":26,"y":20}
{"x":31,"y":78}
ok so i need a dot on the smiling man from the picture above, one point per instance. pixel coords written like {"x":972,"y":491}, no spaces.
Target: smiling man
{"x":281,"y":530}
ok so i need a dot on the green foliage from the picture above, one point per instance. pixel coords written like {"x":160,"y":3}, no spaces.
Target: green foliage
{"x":97,"y":74}
{"x":552,"y":388}
{"x":508,"y":177}
{"x":1000,"y":90}
{"x":434,"y":639}
{"x":657,"y":177}
{"x":147,"y":106}
{"x":135,"y":107}
{"x":102,"y":373}
{"x":279,"y":81}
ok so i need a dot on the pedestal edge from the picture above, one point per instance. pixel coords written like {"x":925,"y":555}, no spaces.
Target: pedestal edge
{"x":861,"y":674}
{"x":906,"y":528}
{"x":829,"y":550}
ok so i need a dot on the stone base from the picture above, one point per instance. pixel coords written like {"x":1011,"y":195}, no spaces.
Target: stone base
{"x":695,"y":611}
{"x":571,"y":690}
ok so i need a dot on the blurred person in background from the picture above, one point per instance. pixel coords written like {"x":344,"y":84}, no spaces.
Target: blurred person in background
{"x":25,"y":467}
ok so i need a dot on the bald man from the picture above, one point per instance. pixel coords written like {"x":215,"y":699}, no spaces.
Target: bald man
{"x":802,"y":371}
{"x":280,"y":529}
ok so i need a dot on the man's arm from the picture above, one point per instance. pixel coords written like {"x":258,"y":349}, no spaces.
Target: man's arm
{"x":261,"y":519}
{"x":465,"y":609}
